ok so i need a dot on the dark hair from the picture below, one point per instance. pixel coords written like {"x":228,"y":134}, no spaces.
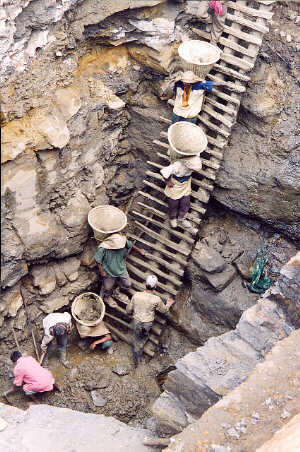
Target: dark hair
{"x":149,"y":287}
{"x":59,"y":329}
{"x":15,"y":356}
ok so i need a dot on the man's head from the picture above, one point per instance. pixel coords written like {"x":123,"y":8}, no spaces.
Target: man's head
{"x":151,"y":282}
{"x":15,"y":356}
{"x":59,"y":329}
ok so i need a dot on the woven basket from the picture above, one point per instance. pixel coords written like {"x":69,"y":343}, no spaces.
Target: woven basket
{"x":198,"y":56}
{"x":185,"y":139}
{"x":80,"y":304}
{"x":105,"y":220}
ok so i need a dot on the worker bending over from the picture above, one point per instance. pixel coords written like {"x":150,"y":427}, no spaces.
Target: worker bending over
{"x":143,"y":306}
{"x":100,"y":333}
{"x":110,"y":257}
{"x":57,"y":325}
{"x":30,"y":376}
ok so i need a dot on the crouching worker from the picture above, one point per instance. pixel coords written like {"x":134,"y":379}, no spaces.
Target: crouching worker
{"x":143,"y":306}
{"x":110,"y":257}
{"x":30,"y":376}
{"x":56,"y":325}
{"x":100,"y":333}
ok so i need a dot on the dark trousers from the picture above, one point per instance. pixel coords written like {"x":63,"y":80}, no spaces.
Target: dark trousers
{"x":140,"y":336}
{"x":109,"y":283}
{"x":61,"y":342}
{"x":178,"y":207}
{"x":176,"y":118}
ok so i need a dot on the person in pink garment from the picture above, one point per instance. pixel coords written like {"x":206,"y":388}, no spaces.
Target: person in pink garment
{"x":30,"y":375}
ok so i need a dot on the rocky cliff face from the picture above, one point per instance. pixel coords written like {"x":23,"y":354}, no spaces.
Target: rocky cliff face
{"x":80,"y":84}
{"x":202,"y":377}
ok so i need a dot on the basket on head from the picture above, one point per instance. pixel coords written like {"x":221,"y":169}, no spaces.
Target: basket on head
{"x":198,"y":56}
{"x":185,"y":139}
{"x":81,"y":304}
{"x":105,"y":220}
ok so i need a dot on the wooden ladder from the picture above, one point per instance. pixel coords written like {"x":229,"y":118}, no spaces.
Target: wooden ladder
{"x":168,"y":250}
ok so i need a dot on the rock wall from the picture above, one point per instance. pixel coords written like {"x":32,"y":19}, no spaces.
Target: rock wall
{"x":247,"y":417}
{"x":202,"y":377}
{"x":80,"y":89}
{"x":72,"y":430}
{"x":218,"y":272}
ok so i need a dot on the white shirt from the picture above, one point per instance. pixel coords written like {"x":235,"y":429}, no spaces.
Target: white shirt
{"x":51,"y":320}
{"x":194,"y":103}
{"x":177,"y":168}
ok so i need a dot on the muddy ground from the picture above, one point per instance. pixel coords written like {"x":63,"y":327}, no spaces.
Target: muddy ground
{"x":127,"y":392}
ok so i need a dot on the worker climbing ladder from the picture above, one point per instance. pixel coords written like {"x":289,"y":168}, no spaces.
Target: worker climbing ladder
{"x":167,"y":250}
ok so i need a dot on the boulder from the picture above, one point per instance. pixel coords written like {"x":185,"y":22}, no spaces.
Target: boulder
{"x":208,"y":259}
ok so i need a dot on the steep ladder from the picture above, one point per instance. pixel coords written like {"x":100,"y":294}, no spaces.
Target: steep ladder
{"x":168,"y":250}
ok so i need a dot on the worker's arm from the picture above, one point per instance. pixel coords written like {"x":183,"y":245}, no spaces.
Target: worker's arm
{"x":129,"y":307}
{"x":163,"y":308}
{"x":107,"y":337}
{"x":99,"y":255}
{"x":139,"y":250}
{"x":47,"y":338}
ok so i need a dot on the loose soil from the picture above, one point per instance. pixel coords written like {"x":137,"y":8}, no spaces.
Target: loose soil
{"x":128,"y":392}
{"x":92,"y":308}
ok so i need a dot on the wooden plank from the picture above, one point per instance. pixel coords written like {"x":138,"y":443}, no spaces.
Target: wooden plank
{"x":141,"y":274}
{"x":179,"y":259}
{"x":250,"y":11}
{"x":166,"y":227}
{"x":235,"y":87}
{"x":201,"y":33}
{"x":250,"y":52}
{"x":226,"y":70}
{"x":154,"y":269}
{"x":212,"y":126}
{"x":247,"y":23}
{"x":163,"y":240}
{"x":227,"y":109}
{"x":218,"y":93}
{"x":118,"y":320}
{"x":210,"y":111}
{"x":238,"y":62}
{"x":165,"y":120}
{"x":153,"y":210}
{"x":152,"y":198}
{"x":244,"y":36}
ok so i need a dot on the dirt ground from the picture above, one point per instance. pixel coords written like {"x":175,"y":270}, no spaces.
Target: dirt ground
{"x":127,"y":392}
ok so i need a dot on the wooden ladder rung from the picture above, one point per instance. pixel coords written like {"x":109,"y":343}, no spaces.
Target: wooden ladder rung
{"x":154,"y":269}
{"x":211,"y":112}
{"x":250,"y":52}
{"x":179,"y":259}
{"x":250,"y":11}
{"x":251,"y":39}
{"x":163,"y":240}
{"x":166,"y":227}
{"x":247,"y":23}
{"x":228,"y":71}
{"x":205,"y":120}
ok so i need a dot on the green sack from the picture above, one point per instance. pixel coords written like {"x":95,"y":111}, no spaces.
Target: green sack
{"x":259,"y":282}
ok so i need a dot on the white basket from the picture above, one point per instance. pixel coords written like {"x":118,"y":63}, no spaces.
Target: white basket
{"x":186,"y":139}
{"x":198,"y":56}
{"x":105,"y":220}
{"x":80,"y":304}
